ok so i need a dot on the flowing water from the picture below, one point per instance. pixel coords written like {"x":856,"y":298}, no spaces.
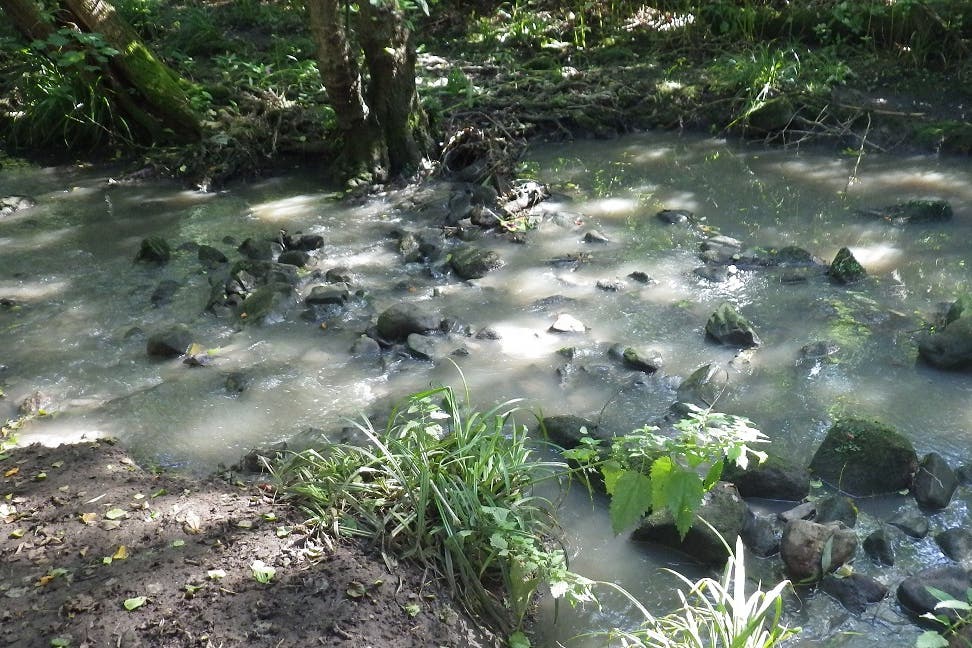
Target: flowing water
{"x":83,"y":311}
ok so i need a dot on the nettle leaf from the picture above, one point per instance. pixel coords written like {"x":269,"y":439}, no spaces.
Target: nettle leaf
{"x":931,"y":639}
{"x":684,"y":495}
{"x":631,"y":499}
{"x":611,"y":470}
{"x":714,"y":475}
{"x":661,"y":473}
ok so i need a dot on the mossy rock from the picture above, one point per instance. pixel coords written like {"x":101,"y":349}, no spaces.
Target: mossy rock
{"x":958,"y":308}
{"x":845,"y":268}
{"x":774,"y":115}
{"x":154,"y":249}
{"x":863,"y":457}
{"x":950,"y":348}
{"x":727,"y":326}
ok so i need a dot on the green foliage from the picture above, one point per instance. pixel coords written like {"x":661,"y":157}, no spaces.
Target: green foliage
{"x":954,"y":614}
{"x":451,"y":488}
{"x":714,"y":614}
{"x":645,"y":471}
{"x":58,"y":86}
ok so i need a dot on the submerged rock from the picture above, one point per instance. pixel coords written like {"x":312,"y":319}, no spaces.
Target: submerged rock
{"x":474,"y":263}
{"x":950,"y":348}
{"x":911,"y":522}
{"x":722,"y":508}
{"x":675,"y":216}
{"x":164,"y":292}
{"x":761,"y":534}
{"x":154,"y":249}
{"x":298,"y":258}
{"x":845,"y":268}
{"x":836,"y":508}
{"x":256,"y":250}
{"x":210,"y":256}
{"x":727,"y":326}
{"x":864,"y":457}
{"x":648,"y":361}
{"x":169,"y":343}
{"x":268,"y":304}
{"x":913,"y":211}
{"x":13,"y":204}
{"x":704,"y":386}
{"x":401,"y":320}
{"x":804,"y":545}
{"x":855,"y":591}
{"x":880,"y":546}
{"x":567,"y":430}
{"x":935,"y":482}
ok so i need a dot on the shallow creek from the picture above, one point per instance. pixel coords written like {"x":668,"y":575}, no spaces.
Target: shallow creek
{"x":83,"y":311}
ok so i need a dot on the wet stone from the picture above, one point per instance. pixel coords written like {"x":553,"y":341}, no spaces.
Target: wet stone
{"x":911,"y":521}
{"x":879,"y":546}
{"x":956,"y":544}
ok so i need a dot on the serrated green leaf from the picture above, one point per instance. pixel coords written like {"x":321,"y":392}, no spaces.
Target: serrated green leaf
{"x":931,"y":639}
{"x":262,"y":572}
{"x":631,"y":500}
{"x":60,"y":642}
{"x":519,"y":640}
{"x":684,"y":495}
{"x":661,"y":472}
{"x":610,"y":470}
{"x":714,"y":475}
{"x":412,"y":609}
{"x":134,"y":603}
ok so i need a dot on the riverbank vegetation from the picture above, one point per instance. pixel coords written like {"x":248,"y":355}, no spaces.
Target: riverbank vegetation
{"x":871,"y":74}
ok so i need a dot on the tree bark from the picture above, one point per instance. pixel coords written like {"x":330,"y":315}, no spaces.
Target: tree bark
{"x":156,"y":85}
{"x":384,"y":130}
{"x":390,"y":55}
{"x":27,"y":18}
{"x":143,"y":88}
{"x":361,"y":146}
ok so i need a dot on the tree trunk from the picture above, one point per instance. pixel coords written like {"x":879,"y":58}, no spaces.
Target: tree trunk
{"x":143,"y":88}
{"x":390,"y":55}
{"x":155,"y":84}
{"x":27,"y":18}
{"x":384,"y":130}
{"x":362,"y":149}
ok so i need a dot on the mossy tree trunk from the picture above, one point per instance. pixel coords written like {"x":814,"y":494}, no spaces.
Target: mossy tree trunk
{"x":384,"y":130}
{"x":143,"y":88}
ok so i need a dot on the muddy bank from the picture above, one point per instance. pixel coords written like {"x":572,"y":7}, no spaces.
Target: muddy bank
{"x":97,"y":551}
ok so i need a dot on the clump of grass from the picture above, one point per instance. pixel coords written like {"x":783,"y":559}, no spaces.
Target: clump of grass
{"x":714,"y":614}
{"x":451,"y":488}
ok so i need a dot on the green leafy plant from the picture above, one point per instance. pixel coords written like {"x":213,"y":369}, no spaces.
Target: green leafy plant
{"x":645,"y":471}
{"x":952,"y":614}
{"x":450,"y":487}
{"x":714,"y":614}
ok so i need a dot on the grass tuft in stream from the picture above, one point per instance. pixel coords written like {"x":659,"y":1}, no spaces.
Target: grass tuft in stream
{"x":451,"y":488}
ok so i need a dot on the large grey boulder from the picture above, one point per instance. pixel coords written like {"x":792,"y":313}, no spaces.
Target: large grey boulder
{"x":727,"y":326}
{"x":956,"y":543}
{"x":401,"y":320}
{"x":935,"y":482}
{"x":722,"y":507}
{"x":913,"y":591}
{"x":809,"y":550}
{"x":863,"y":457}
{"x":949,"y":348}
{"x":776,"y":478}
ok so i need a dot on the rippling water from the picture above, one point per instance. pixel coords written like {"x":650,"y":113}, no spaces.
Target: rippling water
{"x":84,"y":310}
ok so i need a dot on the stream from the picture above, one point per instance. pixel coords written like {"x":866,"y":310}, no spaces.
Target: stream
{"x":79,"y":311}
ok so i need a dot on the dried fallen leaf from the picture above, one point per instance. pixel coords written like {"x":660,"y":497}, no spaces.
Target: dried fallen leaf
{"x":216,"y":574}
{"x":110,"y":525}
{"x":13,"y":471}
{"x":17,"y":533}
{"x":159,"y":493}
{"x":57,"y":464}
{"x":193,"y":524}
{"x":89,"y":518}
{"x":356,"y":589}
{"x":134,"y":603}
{"x":178,"y":543}
{"x":121,"y":553}
{"x":116,"y":514}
